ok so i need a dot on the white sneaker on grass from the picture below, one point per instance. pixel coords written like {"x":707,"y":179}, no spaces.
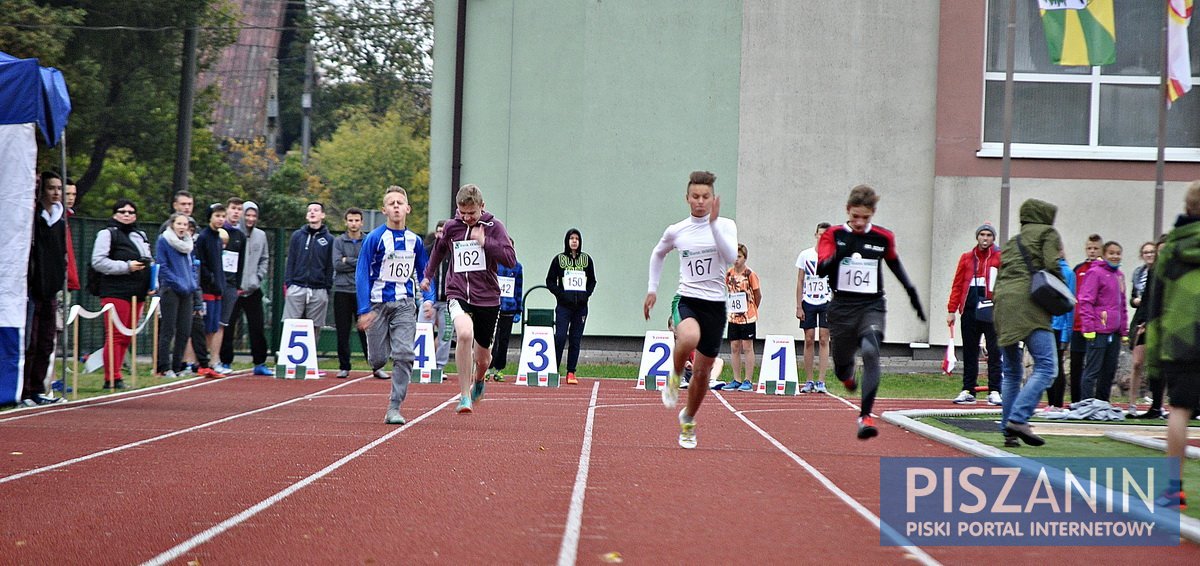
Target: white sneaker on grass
{"x":994,"y":398}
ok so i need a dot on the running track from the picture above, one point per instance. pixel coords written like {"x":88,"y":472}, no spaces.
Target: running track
{"x":261,"y":471}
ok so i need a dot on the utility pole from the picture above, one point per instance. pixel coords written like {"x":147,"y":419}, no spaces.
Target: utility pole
{"x":306,"y":103}
{"x":187,"y":95}
{"x":273,"y":105}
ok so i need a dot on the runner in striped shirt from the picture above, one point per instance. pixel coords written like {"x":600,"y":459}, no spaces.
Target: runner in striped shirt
{"x":386,"y":282}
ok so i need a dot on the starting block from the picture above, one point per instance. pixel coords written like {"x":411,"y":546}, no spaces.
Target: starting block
{"x":424,"y":365}
{"x":297,"y":354}
{"x":538,"y":367}
{"x":656,"y":360}
{"x":778,"y":374}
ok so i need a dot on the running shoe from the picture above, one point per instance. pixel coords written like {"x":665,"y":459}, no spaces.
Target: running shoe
{"x":571,"y":378}
{"x":733,"y":385}
{"x":499,"y":377}
{"x":464,"y":406}
{"x":394,"y":417}
{"x":716,"y":385}
{"x":746,"y":386}
{"x":343,"y":374}
{"x":687,"y":431}
{"x":264,"y":369}
{"x":382,"y":374}
{"x":670,"y":393}
{"x":223,"y":369}
{"x":821,"y":387}
{"x":1024,"y":432}
{"x":965,"y":398}
{"x":866,"y":428}
{"x":809,"y":387}
{"x":477,"y":392}
{"x":851,"y":384}
{"x":994,"y":398}
{"x":1173,"y":497}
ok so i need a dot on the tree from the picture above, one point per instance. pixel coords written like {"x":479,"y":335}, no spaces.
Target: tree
{"x":42,"y":32}
{"x":364,"y":157}
{"x":385,"y":45}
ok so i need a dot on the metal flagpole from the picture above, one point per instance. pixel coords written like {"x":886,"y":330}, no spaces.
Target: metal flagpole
{"x":1010,"y":35}
{"x":1160,"y":163}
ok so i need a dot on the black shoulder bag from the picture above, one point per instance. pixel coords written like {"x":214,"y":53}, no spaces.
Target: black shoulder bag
{"x":1046,"y":290}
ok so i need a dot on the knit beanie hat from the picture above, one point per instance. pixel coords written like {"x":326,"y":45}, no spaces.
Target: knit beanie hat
{"x":985,"y":226}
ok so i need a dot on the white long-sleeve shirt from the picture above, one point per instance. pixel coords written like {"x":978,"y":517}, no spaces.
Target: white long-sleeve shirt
{"x":706,"y":250}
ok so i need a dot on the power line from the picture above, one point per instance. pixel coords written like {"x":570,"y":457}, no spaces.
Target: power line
{"x":408,"y":24}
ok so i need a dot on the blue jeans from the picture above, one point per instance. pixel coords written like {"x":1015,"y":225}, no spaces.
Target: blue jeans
{"x":1019,"y":402}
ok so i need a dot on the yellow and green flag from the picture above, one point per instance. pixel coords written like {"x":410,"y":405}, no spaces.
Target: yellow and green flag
{"x":1079,"y":32}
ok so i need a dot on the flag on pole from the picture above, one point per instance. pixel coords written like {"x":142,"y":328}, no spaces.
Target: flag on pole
{"x":1179,"y":63}
{"x":1079,"y":32}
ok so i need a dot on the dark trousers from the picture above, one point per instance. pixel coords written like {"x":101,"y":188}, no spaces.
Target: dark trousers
{"x":41,"y":345}
{"x":1055,"y":395}
{"x":971,"y":331}
{"x":1078,"y":353}
{"x":345,"y":316}
{"x":200,"y":342}
{"x":504,"y":324}
{"x":568,"y":325}
{"x":252,"y":306}
{"x":173,"y":329}
{"x":1100,"y":365}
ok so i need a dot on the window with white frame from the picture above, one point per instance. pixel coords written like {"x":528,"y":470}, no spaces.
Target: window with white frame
{"x":1103,"y":112}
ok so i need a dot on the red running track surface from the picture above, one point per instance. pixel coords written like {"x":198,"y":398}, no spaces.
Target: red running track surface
{"x":255,"y":470}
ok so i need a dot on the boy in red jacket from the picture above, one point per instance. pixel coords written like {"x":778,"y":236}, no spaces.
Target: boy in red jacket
{"x":971,"y":295}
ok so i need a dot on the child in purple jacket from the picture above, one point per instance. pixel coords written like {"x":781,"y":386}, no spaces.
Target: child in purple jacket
{"x":1103,"y":320}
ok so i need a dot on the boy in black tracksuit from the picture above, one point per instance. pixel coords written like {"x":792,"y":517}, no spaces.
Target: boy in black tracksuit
{"x":572,"y":279}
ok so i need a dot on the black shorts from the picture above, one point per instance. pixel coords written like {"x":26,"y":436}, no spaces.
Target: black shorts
{"x":1183,"y":385}
{"x":849,"y":322}
{"x":815,"y":316}
{"x":742,"y":331}
{"x":710,"y":315}
{"x":483,"y":319}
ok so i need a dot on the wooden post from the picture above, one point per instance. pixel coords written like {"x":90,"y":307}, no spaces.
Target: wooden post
{"x":108,"y":348}
{"x":74,"y":362}
{"x":154,"y":344}
{"x":133,"y":323}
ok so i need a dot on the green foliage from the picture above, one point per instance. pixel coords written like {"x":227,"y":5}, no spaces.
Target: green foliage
{"x":288,"y":191}
{"x":45,"y":43}
{"x":364,"y":157}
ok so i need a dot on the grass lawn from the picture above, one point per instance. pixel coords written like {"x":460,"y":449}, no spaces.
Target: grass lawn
{"x":1078,"y":447}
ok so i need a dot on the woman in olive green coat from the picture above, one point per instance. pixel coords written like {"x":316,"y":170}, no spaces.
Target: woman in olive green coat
{"x":1019,"y":319}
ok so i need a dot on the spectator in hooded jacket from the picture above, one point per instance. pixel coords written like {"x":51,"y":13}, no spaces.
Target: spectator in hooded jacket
{"x":971,"y":296}
{"x":308,"y":274}
{"x":250,"y":296}
{"x":572,"y":279}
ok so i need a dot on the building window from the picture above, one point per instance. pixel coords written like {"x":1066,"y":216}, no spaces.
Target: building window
{"x":1107,"y":112}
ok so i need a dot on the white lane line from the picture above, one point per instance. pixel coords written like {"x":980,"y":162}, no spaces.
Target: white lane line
{"x":570,"y":543}
{"x":122,"y":447}
{"x":120,"y":398}
{"x":179,"y":549}
{"x":914,"y":551}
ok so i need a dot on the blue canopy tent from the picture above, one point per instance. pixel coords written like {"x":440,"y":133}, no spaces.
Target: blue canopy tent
{"x":29,"y":96}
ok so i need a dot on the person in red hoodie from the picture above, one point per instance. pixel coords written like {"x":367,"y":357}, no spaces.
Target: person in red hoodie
{"x":971,"y":295}
{"x":1078,"y":342}
{"x":1103,"y":319}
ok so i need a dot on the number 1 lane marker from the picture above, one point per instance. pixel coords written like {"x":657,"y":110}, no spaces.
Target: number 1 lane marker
{"x":122,"y":447}
{"x":570,"y":544}
{"x":914,"y":551}
{"x":216,"y":530}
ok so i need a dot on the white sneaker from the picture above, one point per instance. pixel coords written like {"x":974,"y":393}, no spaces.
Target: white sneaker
{"x":994,"y":398}
{"x":687,"y":431}
{"x":223,"y":369}
{"x":670,"y":393}
{"x":965,"y":398}
{"x":170,"y":374}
